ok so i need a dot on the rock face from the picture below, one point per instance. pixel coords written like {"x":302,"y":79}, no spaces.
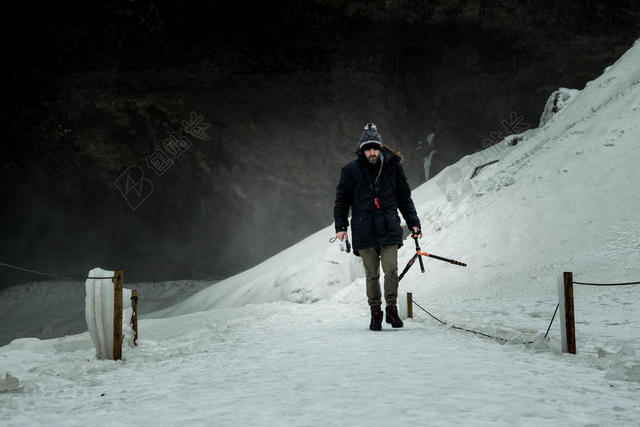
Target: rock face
{"x":99,"y":170}
{"x":556,"y":102}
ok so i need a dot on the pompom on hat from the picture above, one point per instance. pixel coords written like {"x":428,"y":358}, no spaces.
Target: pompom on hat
{"x":370,"y":138}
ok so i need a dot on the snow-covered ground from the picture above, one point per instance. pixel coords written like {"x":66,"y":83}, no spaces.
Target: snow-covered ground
{"x":286,"y":342}
{"x":308,"y":364}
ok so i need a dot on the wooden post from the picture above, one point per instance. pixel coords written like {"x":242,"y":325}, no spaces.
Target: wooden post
{"x":410,"y":305}
{"x":567,"y":319}
{"x":134,"y":315}
{"x":117,"y":314}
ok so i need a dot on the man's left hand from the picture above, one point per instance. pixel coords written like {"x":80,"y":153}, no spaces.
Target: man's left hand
{"x":416,"y":230}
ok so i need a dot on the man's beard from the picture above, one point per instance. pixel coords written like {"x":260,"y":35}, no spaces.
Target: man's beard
{"x":372,"y":159}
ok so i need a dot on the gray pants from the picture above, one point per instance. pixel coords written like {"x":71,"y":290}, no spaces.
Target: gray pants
{"x":371,"y":258}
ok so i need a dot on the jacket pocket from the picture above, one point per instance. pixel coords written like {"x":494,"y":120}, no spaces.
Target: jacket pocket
{"x":393,"y":221}
{"x":361,"y":228}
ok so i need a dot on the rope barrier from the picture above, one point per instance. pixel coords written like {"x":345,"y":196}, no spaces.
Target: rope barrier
{"x":482,"y":333}
{"x":565,"y":296}
{"x":444,"y":323}
{"x":64,"y":276}
{"x":551,"y":323}
{"x":606,"y":284}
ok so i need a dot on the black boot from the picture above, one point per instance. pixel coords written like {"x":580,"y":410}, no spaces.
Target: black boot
{"x":392,"y":316}
{"x":376,"y":319}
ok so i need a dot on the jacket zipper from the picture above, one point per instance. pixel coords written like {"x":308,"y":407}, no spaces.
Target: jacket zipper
{"x":375,"y":183}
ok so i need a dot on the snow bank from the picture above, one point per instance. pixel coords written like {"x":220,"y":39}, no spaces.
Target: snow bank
{"x":309,"y":271}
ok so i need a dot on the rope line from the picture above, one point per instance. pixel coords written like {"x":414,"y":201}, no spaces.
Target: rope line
{"x":607,"y":284}
{"x":551,"y":323}
{"x":444,"y":323}
{"x":483,"y":334}
{"x":64,"y":276}
{"x":478,"y":332}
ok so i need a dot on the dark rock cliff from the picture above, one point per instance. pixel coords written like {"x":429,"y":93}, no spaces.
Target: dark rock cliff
{"x":282,"y":91}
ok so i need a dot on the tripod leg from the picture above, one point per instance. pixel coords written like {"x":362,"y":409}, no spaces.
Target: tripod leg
{"x":409,"y":264}
{"x":421,"y":264}
{"x":415,"y":239}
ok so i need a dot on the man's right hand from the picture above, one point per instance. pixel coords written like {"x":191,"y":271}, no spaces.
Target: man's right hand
{"x":340,"y":235}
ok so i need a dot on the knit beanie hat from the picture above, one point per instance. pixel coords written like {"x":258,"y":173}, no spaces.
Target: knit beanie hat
{"x":370,"y":138}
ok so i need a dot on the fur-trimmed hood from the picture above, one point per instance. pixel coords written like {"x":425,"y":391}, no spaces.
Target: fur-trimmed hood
{"x":390,"y":155}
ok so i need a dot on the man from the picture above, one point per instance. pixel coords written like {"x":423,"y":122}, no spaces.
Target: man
{"x":374,"y":187}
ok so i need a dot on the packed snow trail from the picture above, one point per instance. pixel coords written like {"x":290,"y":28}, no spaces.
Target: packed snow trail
{"x":307,"y":364}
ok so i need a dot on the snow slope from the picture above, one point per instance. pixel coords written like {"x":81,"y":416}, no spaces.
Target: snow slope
{"x":242,"y":352}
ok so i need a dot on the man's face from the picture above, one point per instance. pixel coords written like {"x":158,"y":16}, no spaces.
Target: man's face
{"x":372,"y":155}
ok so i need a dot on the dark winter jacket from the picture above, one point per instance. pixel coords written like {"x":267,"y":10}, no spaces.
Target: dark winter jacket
{"x":374,"y":198}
